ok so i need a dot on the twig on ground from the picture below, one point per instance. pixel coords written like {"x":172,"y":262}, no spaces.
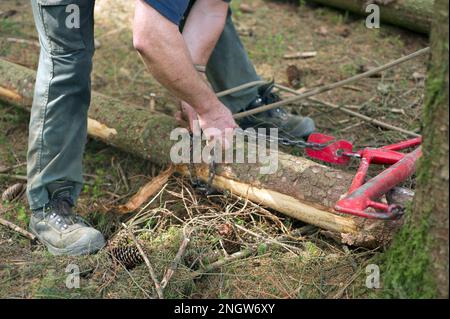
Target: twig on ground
{"x":17,"y":229}
{"x":12,"y":176}
{"x":24,"y":41}
{"x":121,"y":173}
{"x":242,"y":254}
{"x":174,"y":265}
{"x":341,"y":291}
{"x":221,"y":262}
{"x":114,"y":276}
{"x":348,"y":253}
{"x":332,"y":86}
{"x":267,"y":240}
{"x":146,"y":191}
{"x":352,"y":113}
{"x":11,"y":168}
{"x":147,"y":262}
{"x":350,"y":127}
{"x":240,"y":88}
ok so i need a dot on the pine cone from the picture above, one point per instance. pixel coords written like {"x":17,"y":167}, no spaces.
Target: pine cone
{"x":294,"y":76}
{"x":122,"y":250}
{"x":128,"y":256}
{"x":229,"y":238}
{"x":13,"y":192}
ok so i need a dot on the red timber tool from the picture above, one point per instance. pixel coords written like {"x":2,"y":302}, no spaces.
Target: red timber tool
{"x":362,"y":199}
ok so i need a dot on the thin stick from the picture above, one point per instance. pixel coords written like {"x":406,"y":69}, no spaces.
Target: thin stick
{"x":353,"y":113}
{"x":267,"y":240}
{"x":367,"y":118}
{"x":332,"y":86}
{"x":17,"y":229}
{"x":244,"y":253}
{"x":221,"y":262}
{"x":341,"y":291}
{"x":18,"y":177}
{"x":11,"y":168}
{"x":240,"y":88}
{"x":24,"y":41}
{"x":147,"y":262}
{"x":122,"y":175}
{"x":174,"y":265}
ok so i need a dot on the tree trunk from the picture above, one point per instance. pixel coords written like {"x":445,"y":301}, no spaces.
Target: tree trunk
{"x":300,"y":188}
{"x":415,"y":15}
{"x":417,"y":262}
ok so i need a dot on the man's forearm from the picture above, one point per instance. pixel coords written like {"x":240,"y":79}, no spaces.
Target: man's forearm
{"x":203,"y":28}
{"x":157,"y":39}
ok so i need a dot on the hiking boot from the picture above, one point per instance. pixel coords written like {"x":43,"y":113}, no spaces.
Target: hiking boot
{"x":289,"y":125}
{"x":60,"y":229}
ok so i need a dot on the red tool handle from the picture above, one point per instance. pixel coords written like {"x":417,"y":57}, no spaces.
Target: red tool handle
{"x":366,"y":195}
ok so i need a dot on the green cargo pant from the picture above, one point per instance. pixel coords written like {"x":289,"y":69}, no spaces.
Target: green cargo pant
{"x":58,"y":124}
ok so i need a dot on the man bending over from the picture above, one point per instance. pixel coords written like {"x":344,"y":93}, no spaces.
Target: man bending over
{"x":58,"y":124}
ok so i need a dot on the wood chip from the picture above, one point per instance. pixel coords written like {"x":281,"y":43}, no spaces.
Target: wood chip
{"x":418,"y":76}
{"x":245,"y":8}
{"x":146,"y":192}
{"x":398,"y":111}
{"x":300,"y":55}
{"x":323,"y":31}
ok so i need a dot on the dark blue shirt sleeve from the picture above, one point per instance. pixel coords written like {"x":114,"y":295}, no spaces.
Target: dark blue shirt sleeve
{"x":171,"y":9}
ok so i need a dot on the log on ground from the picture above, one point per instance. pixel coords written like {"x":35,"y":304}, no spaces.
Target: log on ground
{"x":415,"y":15}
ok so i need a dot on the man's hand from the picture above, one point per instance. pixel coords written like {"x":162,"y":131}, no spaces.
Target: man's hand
{"x":214,"y":122}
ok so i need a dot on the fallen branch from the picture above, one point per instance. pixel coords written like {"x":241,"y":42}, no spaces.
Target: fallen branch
{"x":333,"y":86}
{"x":352,"y":113}
{"x":17,"y":229}
{"x":6,"y":169}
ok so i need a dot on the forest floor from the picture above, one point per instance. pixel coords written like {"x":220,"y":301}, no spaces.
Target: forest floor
{"x":310,"y":266}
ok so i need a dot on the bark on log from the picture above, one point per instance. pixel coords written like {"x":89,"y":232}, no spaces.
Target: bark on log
{"x":301,"y":189}
{"x":415,"y":15}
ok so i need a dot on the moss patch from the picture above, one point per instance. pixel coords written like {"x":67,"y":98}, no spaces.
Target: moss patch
{"x":405,"y":264}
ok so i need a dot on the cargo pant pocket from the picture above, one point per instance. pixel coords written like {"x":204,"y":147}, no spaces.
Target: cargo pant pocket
{"x":61,"y":21}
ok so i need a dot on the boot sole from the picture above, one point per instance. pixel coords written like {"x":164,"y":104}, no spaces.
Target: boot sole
{"x":91,"y":248}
